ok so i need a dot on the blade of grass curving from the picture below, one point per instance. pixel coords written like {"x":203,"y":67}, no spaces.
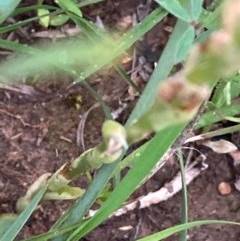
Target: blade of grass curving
{"x":175,"y":8}
{"x":170,"y":231}
{"x":212,"y":117}
{"x":160,"y":73}
{"x":153,"y":152}
{"x":51,"y":234}
{"x":184,"y":219}
{"x":14,"y":229}
{"x":6,"y":8}
{"x":21,"y":10}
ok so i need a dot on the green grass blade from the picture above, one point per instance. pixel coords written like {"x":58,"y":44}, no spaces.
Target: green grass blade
{"x":131,"y":181}
{"x":175,"y":8}
{"x":214,"y":116}
{"x":21,"y":10}
{"x":184,"y":44}
{"x":170,"y":231}
{"x":160,"y":73}
{"x":183,"y":233}
{"x":54,"y":233}
{"x":6,"y":8}
{"x":14,"y":229}
{"x":196,"y":9}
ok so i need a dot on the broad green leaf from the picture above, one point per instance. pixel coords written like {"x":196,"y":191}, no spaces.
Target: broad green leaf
{"x":184,"y":44}
{"x":44,"y":21}
{"x":6,"y":8}
{"x":70,"y":6}
{"x":58,"y":20}
{"x":196,"y":9}
{"x":174,"y":7}
{"x":170,"y":231}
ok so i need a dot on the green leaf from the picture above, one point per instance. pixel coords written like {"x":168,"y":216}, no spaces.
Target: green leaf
{"x":184,"y":44}
{"x":58,"y":20}
{"x":170,"y":231}
{"x":70,"y":6}
{"x":184,"y":216}
{"x":14,"y":229}
{"x":44,"y":21}
{"x":196,"y":9}
{"x":159,"y":74}
{"x":6,"y":220}
{"x":6,"y":8}
{"x":175,"y":8}
{"x":214,"y":116}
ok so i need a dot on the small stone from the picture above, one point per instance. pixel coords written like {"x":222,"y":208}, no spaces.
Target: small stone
{"x":224,"y":188}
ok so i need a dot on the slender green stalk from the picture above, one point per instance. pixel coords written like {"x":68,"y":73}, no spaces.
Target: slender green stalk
{"x":183,"y":233}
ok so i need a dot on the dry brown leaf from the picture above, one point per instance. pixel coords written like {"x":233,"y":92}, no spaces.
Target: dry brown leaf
{"x":221,"y":146}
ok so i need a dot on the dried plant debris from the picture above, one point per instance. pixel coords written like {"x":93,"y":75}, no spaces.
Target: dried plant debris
{"x":221,"y":146}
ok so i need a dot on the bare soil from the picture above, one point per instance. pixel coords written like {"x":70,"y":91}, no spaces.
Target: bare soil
{"x":38,"y":134}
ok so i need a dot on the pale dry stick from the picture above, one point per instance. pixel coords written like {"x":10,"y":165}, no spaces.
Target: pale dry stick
{"x":167,"y":191}
{"x":81,"y":126}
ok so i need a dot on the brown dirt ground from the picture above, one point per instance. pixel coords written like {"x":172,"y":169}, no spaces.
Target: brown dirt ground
{"x":39,"y":134}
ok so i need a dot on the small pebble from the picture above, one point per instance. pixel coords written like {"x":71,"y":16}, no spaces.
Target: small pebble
{"x":224,"y":188}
